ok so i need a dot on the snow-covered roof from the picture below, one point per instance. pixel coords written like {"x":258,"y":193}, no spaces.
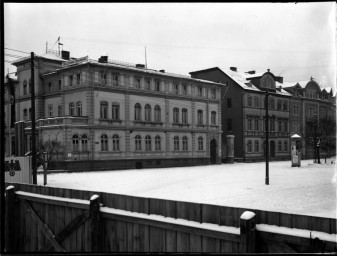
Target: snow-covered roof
{"x":51,"y":57}
{"x":254,"y":75}
{"x":287,"y":84}
{"x":240,"y":79}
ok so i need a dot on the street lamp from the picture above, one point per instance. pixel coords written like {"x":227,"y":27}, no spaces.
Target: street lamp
{"x":316,"y":141}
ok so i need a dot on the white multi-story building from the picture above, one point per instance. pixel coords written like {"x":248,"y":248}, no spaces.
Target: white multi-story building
{"x":114,"y":115}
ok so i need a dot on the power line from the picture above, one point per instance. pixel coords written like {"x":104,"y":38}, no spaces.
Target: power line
{"x":17,"y":50}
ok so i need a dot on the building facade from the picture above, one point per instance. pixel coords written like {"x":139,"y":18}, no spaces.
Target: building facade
{"x":114,"y":115}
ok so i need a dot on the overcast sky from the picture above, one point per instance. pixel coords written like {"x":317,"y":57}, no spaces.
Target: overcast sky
{"x":296,"y":41}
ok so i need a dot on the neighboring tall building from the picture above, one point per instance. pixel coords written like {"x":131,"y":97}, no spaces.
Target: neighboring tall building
{"x":310,"y":103}
{"x":243,"y":104}
{"x":115,"y":115}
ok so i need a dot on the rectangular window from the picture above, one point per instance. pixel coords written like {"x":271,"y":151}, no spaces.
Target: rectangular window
{"x":115,"y":80}
{"x":279,"y":146}
{"x":104,"y":110}
{"x":285,"y":143}
{"x":60,"y":85}
{"x":148,"y":85}
{"x":71,"y":80}
{"x":103,"y":79}
{"x":200,"y":91}
{"x":296,"y":127}
{"x":229,"y":103}
{"x":175,"y":89}
{"x":213,"y":118}
{"x":279,"y":126}
{"x":272,"y":125}
{"x":115,"y":112}
{"x":256,"y":146}
{"x":49,"y":87}
{"x":249,"y":146}
{"x":249,"y":126}
{"x":50,"y":110}
{"x":229,"y":125}
{"x":184,"y":89}
{"x":78,"y":80}
{"x":256,"y":102}
{"x":157,"y":86}
{"x":256,"y":124}
{"x":285,"y":126}
{"x":213,"y":93}
{"x":296,"y":110}
{"x":137,"y":83}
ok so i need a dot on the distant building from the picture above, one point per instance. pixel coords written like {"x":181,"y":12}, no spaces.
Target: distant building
{"x":115,"y":115}
{"x":243,"y":101}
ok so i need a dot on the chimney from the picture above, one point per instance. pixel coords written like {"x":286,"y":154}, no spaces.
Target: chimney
{"x":103,"y":59}
{"x":65,"y":55}
{"x":140,"y":66}
{"x":233,"y":69}
{"x":251,"y":72}
{"x":162,"y":70}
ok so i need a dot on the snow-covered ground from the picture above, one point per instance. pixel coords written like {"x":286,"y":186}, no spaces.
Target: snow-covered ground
{"x":308,"y":190}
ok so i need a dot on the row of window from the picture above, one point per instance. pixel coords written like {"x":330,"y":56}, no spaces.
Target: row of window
{"x":253,"y":124}
{"x":282,"y":147}
{"x":83,"y":141}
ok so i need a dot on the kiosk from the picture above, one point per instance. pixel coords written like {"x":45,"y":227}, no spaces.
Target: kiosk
{"x":296,"y":145}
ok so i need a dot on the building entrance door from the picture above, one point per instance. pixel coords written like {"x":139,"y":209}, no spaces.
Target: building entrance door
{"x":213,"y":151}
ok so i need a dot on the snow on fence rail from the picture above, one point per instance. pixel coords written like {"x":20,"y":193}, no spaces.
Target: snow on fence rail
{"x":147,"y":224}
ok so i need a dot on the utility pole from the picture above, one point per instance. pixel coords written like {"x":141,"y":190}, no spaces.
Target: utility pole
{"x":267,"y":139}
{"x":2,"y":160}
{"x":33,"y":118}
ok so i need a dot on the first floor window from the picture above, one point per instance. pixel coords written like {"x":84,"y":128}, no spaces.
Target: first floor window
{"x":213,"y":117}
{"x":138,"y":142}
{"x":71,"y":109}
{"x":104,"y":142}
{"x":157,"y":142}
{"x":185,"y":145}
{"x":84,"y":140}
{"x":148,"y":143}
{"x":285,"y":146}
{"x":79,"y":108}
{"x":200,"y":143}
{"x":279,"y":146}
{"x":200,"y":117}
{"x":176,"y":143}
{"x":157,"y":115}
{"x":256,"y":146}
{"x":104,"y":109}
{"x":175,"y":115}
{"x":115,"y":111}
{"x":184,"y":116}
{"x":249,"y":146}
{"x":75,"y":143}
{"x":115,"y":142}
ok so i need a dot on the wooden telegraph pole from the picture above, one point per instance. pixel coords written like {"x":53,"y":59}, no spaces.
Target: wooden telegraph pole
{"x":33,"y":119}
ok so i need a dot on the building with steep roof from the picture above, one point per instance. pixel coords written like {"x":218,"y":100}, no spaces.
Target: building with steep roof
{"x":243,"y":102}
{"x":115,"y":115}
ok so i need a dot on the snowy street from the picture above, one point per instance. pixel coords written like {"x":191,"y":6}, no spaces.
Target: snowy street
{"x":309,"y":190}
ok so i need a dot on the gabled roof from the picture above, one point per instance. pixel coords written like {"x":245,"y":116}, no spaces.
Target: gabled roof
{"x":43,"y":56}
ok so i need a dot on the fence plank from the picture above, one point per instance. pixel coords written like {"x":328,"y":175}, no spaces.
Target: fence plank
{"x":194,"y":214}
{"x":110,"y":227}
{"x":95,"y":224}
{"x":67,"y":219}
{"x":183,"y":238}
{"x":157,"y":235}
{"x":129,"y":226}
{"x":228,"y":218}
{"x":321,"y":224}
{"x":171,"y":235}
{"x":10,"y":219}
{"x":210,"y":214}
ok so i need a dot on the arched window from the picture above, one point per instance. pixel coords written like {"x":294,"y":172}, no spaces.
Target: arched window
{"x":25,"y":114}
{"x":157,"y":114}
{"x":200,"y":143}
{"x":79,"y":108}
{"x":115,"y":142}
{"x":185,"y":143}
{"x":138,"y":142}
{"x":147,"y":112}
{"x":75,"y":143}
{"x":71,"y":109}
{"x":200,"y":116}
{"x":115,"y":111}
{"x":25,"y":87}
{"x":184,"y":116}
{"x":157,"y":142}
{"x":138,"y":110}
{"x":104,"y":142}
{"x":148,"y":143}
{"x":104,"y":109}
{"x":176,"y":115}
{"x":176,"y":143}
{"x":84,"y":141}
{"x":213,"y":117}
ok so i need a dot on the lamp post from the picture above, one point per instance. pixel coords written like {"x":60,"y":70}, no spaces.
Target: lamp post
{"x":267,"y":139}
{"x":316,"y":141}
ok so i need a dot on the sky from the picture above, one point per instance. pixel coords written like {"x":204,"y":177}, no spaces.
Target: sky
{"x":295,"y":41}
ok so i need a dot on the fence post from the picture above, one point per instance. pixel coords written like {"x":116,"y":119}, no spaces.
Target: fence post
{"x":96,"y":234}
{"x":10,"y":219}
{"x":247,"y":232}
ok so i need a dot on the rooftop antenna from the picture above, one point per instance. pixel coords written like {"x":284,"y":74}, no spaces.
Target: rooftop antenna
{"x":145,"y":58}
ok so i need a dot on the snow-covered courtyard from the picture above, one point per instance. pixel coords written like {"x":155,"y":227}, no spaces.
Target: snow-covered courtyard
{"x":308,"y":190}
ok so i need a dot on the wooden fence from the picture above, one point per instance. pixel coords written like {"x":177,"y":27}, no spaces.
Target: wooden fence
{"x":69,"y":221}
